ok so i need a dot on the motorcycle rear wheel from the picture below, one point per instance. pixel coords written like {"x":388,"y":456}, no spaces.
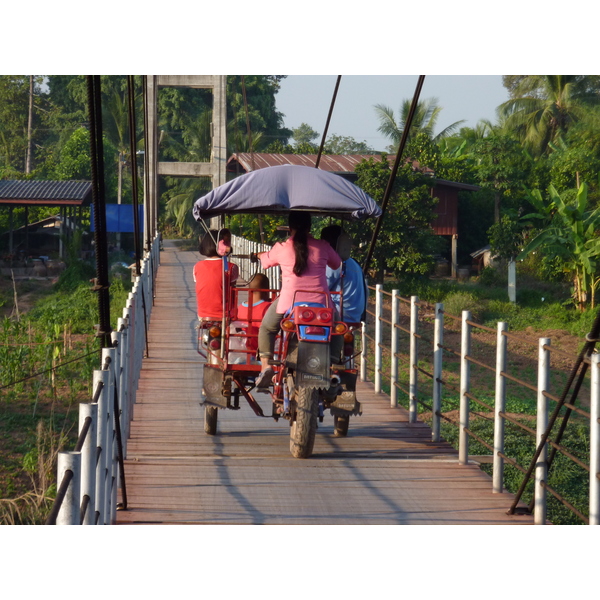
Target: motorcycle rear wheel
{"x":304,"y":428}
{"x":211,"y":414}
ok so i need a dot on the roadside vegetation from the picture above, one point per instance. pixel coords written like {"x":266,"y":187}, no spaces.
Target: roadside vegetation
{"x":48,"y":351}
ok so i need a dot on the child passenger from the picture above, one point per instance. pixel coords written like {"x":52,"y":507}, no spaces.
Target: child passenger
{"x":208,"y":277}
{"x":252,"y":311}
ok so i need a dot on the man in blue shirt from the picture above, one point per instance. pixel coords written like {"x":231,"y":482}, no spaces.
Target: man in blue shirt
{"x":348,"y":279}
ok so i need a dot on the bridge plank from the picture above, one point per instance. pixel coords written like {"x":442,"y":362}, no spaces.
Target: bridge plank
{"x":387,"y":471}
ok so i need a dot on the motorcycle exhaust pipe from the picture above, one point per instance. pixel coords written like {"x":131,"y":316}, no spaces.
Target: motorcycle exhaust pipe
{"x":335,"y":380}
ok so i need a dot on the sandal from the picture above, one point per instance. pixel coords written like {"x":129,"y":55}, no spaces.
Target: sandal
{"x":263,"y":381}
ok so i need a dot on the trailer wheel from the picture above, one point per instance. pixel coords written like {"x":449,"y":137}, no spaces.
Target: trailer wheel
{"x":211,"y":414}
{"x":340,"y":425}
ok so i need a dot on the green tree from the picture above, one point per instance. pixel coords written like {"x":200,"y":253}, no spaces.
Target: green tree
{"x":424,"y":120}
{"x":570,"y":233}
{"x":502,"y":167}
{"x":338,"y":144}
{"x":265,"y":119}
{"x":406,"y":241}
{"x":544,"y":107}
{"x":304,"y":133}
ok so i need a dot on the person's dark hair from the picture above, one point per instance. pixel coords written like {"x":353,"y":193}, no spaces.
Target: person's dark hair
{"x":331,"y":234}
{"x":207,"y":246}
{"x":300,"y":223}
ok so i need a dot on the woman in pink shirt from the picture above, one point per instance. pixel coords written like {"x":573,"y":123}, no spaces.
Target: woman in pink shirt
{"x":303,"y":261}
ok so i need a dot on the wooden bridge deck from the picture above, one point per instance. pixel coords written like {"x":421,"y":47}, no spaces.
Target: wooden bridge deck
{"x":385,"y":472}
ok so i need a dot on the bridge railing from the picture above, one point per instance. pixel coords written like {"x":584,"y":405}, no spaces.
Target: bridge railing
{"x":243,"y":246}
{"x":90,"y":476}
{"x":405,"y":350}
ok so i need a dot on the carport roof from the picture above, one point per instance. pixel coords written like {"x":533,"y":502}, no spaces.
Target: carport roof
{"x":46,"y":193}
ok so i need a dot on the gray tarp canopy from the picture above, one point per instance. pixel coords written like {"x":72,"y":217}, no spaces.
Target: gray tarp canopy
{"x":279,"y":189}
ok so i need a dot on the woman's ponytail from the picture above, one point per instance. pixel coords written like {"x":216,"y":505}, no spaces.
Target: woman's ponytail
{"x":300,"y":223}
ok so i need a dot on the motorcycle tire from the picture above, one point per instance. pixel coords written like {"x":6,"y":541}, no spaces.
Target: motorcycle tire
{"x":211,"y":414}
{"x":304,"y":428}
{"x":340,"y":426}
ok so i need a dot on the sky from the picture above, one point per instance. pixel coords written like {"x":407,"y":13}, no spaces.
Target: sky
{"x":307,"y":99}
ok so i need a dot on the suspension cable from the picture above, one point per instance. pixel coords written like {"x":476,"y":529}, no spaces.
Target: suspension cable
{"x":99,"y":202}
{"x":335,"y":91}
{"x":390,"y":184}
{"x":134,"y":171}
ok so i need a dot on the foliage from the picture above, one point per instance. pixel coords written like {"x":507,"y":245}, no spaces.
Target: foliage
{"x":572,"y":236}
{"x":424,"y":120}
{"x":506,"y":237}
{"x":544,"y":107}
{"x":406,"y":244}
{"x":304,"y":133}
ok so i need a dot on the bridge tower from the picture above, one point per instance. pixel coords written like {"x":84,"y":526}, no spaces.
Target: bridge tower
{"x":215,"y":168}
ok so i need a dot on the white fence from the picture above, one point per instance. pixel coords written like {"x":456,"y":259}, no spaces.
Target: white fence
{"x":89,"y":476}
{"x":417,"y":346}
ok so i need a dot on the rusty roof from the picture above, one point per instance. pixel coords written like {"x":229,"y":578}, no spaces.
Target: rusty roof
{"x":336,"y":163}
{"x":46,"y":193}
{"x":343,"y":164}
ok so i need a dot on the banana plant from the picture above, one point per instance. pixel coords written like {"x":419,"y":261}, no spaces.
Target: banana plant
{"x":571,"y":234}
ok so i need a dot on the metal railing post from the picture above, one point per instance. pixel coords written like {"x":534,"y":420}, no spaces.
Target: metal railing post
{"x":594,"y":518}
{"x":88,"y":460}
{"x":499,"y":407}
{"x":438,"y":340}
{"x":465,"y":388}
{"x":70,"y":512}
{"x":363,"y":351}
{"x":414,"y":359}
{"x":394,"y":350}
{"x":378,"y":328}
{"x":111,"y":446}
{"x":541,"y":469}
{"x":103,"y":377}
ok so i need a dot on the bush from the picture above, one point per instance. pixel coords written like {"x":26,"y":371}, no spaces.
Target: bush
{"x":456,"y":302}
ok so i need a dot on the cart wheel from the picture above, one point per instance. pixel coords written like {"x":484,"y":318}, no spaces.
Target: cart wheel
{"x":211,"y":414}
{"x":340,"y":426}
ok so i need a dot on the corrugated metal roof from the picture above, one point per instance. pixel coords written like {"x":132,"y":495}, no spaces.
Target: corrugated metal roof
{"x":336,"y":163}
{"x":47,"y":193}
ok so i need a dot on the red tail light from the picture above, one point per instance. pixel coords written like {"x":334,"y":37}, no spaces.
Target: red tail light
{"x":324,"y":316}
{"x":307,"y":315}
{"x":312,"y":330}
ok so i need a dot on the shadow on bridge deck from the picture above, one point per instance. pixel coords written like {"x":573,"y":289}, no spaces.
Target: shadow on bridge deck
{"x":386,"y":472}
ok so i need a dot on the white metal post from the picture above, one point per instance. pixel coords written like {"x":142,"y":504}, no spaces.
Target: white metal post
{"x":111,"y":445}
{"x":70,"y":512}
{"x":414,"y":359}
{"x":438,"y":340}
{"x":378,"y":303}
{"x":499,"y":407}
{"x":88,"y":460}
{"x":541,"y":469}
{"x":363,"y":351}
{"x":394,"y":350}
{"x":594,"y":518}
{"x":101,"y":377}
{"x":465,"y":387}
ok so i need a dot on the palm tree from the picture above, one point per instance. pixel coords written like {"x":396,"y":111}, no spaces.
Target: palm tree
{"x":424,"y":120}
{"x":545,"y":107}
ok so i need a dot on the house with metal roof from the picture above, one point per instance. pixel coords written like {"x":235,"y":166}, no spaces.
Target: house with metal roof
{"x":445,"y":222}
{"x":67,"y":196}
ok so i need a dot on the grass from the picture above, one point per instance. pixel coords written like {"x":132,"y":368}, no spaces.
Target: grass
{"x":47,"y":358}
